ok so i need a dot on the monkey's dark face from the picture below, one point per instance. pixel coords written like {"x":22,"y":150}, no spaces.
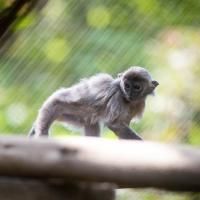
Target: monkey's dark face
{"x":137,"y":83}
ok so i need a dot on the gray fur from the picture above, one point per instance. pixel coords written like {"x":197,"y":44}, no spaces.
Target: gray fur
{"x":98,"y":99}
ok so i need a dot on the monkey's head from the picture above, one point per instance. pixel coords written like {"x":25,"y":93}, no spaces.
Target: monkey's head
{"x":136,"y":83}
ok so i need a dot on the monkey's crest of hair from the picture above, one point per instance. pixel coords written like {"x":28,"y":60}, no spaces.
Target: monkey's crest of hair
{"x":136,"y":71}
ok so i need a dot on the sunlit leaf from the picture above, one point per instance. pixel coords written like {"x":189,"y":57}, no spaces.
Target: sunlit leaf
{"x":194,"y":135}
{"x":16,"y":114}
{"x":109,"y":134}
{"x":54,"y":10}
{"x":98,"y":17}
{"x":29,"y":20}
{"x":57,"y":49}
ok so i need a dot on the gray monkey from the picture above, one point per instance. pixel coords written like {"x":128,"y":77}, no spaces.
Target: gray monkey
{"x":99,"y":99}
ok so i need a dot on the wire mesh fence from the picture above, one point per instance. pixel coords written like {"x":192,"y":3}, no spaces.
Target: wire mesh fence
{"x":60,"y":42}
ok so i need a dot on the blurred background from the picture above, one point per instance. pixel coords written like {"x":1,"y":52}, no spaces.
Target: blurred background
{"x":48,"y":44}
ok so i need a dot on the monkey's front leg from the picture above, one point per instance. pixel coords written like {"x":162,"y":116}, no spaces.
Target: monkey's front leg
{"x":124,"y":131}
{"x":92,"y":130}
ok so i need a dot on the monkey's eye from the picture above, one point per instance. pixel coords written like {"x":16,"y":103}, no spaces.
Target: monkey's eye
{"x":127,"y":86}
{"x":137,"y":87}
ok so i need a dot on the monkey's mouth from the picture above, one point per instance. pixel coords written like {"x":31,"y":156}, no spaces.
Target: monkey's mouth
{"x":155,"y":84}
{"x":134,"y":98}
{"x":128,"y":98}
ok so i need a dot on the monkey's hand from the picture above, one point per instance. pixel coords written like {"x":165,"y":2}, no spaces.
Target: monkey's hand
{"x":124,"y":132}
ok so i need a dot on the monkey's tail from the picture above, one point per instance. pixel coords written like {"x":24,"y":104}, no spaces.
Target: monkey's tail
{"x":31,"y":132}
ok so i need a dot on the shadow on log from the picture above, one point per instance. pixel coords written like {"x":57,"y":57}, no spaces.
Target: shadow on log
{"x":32,"y":189}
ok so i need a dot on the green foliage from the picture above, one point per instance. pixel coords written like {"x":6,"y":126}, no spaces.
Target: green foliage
{"x":25,"y":22}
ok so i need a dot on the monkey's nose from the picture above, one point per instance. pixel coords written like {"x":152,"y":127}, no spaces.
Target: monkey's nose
{"x":155,"y":83}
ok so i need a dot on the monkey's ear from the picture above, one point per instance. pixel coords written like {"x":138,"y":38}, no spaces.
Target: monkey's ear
{"x":119,"y":75}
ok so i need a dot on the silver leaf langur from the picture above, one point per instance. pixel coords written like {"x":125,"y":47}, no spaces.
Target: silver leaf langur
{"x":99,"y":99}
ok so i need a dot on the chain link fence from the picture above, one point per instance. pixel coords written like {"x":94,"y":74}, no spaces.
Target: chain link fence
{"x":59,"y":42}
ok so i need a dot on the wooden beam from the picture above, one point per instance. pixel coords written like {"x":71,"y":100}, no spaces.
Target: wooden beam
{"x":126,"y":163}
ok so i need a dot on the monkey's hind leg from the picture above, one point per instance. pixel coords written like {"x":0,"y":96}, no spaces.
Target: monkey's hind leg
{"x":32,"y":131}
{"x":46,"y":116}
{"x":92,"y":130}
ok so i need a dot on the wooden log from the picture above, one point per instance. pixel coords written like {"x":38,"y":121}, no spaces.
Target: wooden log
{"x":126,"y":163}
